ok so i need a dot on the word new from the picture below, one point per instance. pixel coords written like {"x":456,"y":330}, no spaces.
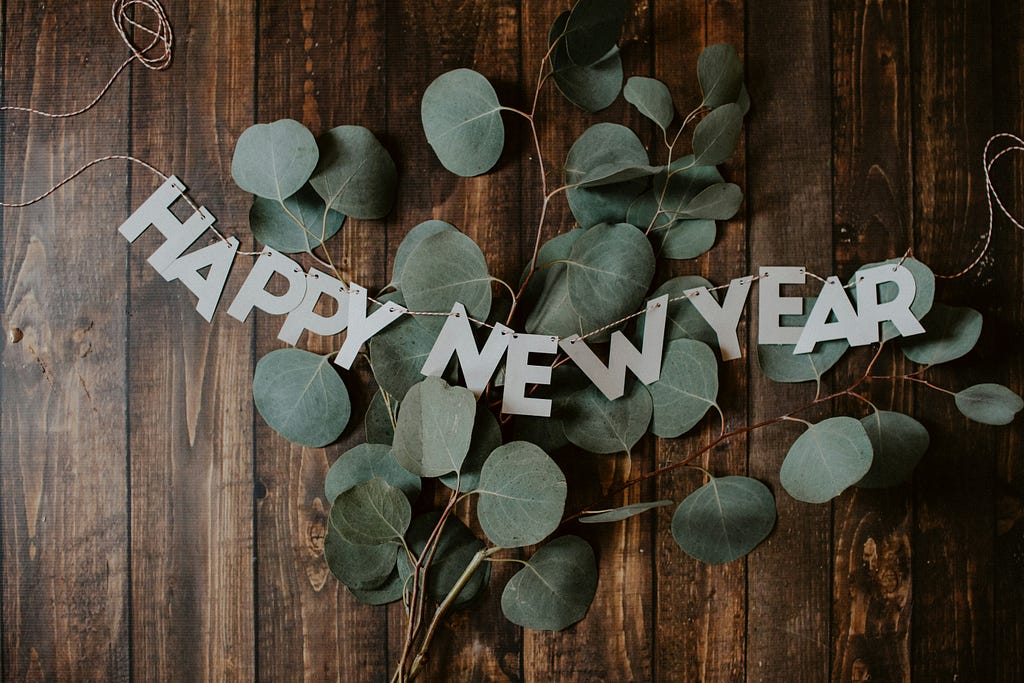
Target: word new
{"x":832,"y":316}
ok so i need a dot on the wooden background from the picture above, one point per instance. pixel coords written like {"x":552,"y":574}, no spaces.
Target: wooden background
{"x":153,"y":528}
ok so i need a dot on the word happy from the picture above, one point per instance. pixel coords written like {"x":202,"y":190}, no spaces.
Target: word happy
{"x":832,"y":317}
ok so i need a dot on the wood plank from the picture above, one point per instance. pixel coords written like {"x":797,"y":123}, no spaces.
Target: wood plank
{"x":701,"y":609}
{"x":62,"y":434}
{"x":476,"y":644}
{"x":789,"y":200}
{"x":952,"y":630}
{"x":190,"y":405}
{"x":1006,"y":323}
{"x":321,"y":65}
{"x":621,"y":616}
{"x":873,"y":211}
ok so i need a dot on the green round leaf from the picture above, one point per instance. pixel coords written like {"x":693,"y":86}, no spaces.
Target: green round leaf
{"x":556,"y":587}
{"x":602,"y":153}
{"x":676,"y":190}
{"x":521,"y":495}
{"x":716,"y":136}
{"x":652,"y":98}
{"x":413,"y":240}
{"x":720,"y":72}
{"x":389,"y":591}
{"x":621,"y":513}
{"x":358,"y":566}
{"x":434,"y":428}
{"x":547,"y":294}
{"x":779,"y":363}
{"x":462,"y":120}
{"x":684,"y":321}
{"x":592,"y":87}
{"x":828,"y":458}
{"x":685,"y":239}
{"x":718,"y":202}
{"x":724,"y":520}
{"x":898,"y":442}
{"x":924,"y":296}
{"x":604,"y":204}
{"x":990,"y":404}
{"x":593,"y":28}
{"x":378,"y":420}
{"x":446,"y":268}
{"x":355,"y":175}
{"x":609,"y":271}
{"x":363,"y":463}
{"x":274,"y":160}
{"x":687,"y":388}
{"x":397,"y":354}
{"x":545,"y":432}
{"x":598,"y":425}
{"x":271,"y":225}
{"x":486,"y":437}
{"x":950,"y":332}
{"x":301,"y":396}
{"x":455,"y":548}
{"x":371,"y":513}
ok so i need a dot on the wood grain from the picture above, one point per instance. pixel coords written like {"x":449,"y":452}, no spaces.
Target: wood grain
{"x":789,"y":200}
{"x":190,"y":408}
{"x":64,"y":450}
{"x":872,"y":185}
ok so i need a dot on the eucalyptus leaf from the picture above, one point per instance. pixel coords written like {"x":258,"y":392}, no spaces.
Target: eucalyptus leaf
{"x":456,"y":546}
{"x":716,"y":136}
{"x":301,"y":396}
{"x":687,"y":388}
{"x":462,"y":120}
{"x":272,"y":225}
{"x":413,"y":240}
{"x":780,"y":364}
{"x":593,"y":28}
{"x":556,"y":587}
{"x":446,"y":268}
{"x":652,"y":98}
{"x":685,"y":239}
{"x":990,"y":404}
{"x":950,"y":332}
{"x":545,"y":432}
{"x":724,"y":520}
{"x":355,"y":174}
{"x":720,"y":72}
{"x":718,"y":202}
{"x":274,"y":160}
{"x":590,"y":87}
{"x":675,"y":189}
{"x":601,"y":151}
{"x":378,"y":421}
{"x":924,"y":295}
{"x":521,"y":495}
{"x":898,"y":442}
{"x":358,"y":566}
{"x":614,"y":173}
{"x":547,"y":294}
{"x":684,"y":321}
{"x":598,"y":425}
{"x":621,"y":513}
{"x":609,"y":271}
{"x":486,"y":437}
{"x":828,"y":458}
{"x":389,"y":591}
{"x":604,"y":204}
{"x":434,"y":428}
{"x":363,"y":463}
{"x":371,"y":513}
{"x":397,"y":354}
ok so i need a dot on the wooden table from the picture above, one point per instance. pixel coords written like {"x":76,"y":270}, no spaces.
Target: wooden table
{"x":154,"y":528}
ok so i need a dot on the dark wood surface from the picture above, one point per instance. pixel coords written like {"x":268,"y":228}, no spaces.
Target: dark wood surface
{"x":154,"y":528}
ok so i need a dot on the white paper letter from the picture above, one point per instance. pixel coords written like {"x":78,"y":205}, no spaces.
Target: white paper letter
{"x":518,"y":372}
{"x":253,"y":293}
{"x":771,"y":305}
{"x":723,"y":319}
{"x":361,"y":327}
{"x":646,"y":364}
{"x":219,"y":256}
{"x":831,"y":300}
{"x":304,"y":318}
{"x":457,"y":337}
{"x":897,"y":311}
{"x":156,"y":211}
